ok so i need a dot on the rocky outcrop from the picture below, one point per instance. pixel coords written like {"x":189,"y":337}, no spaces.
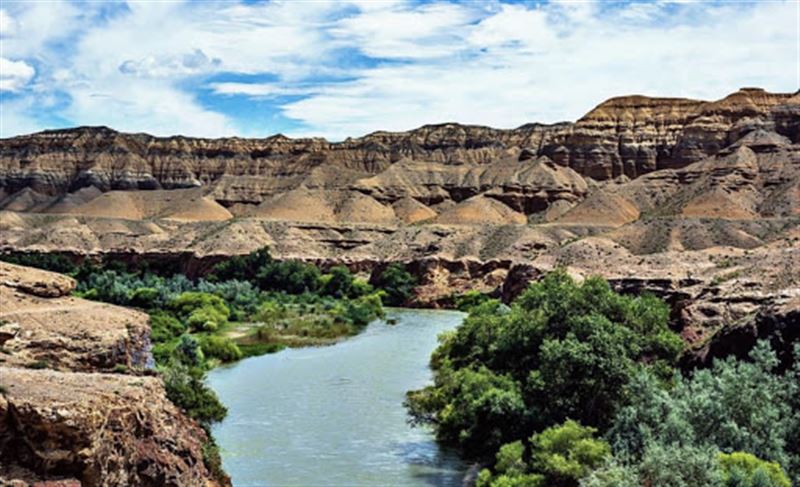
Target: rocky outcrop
{"x":65,"y":418}
{"x":96,"y":429}
{"x":43,"y":327}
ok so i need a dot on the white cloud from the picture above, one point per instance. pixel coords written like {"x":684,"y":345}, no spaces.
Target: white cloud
{"x":8,"y":26}
{"x":427,"y":31}
{"x":189,"y":64}
{"x":258,"y":90}
{"x":14,"y":75}
{"x":570,"y":58}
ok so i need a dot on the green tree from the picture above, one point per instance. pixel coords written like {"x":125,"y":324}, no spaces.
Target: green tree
{"x":567,"y":350}
{"x":398,"y":284}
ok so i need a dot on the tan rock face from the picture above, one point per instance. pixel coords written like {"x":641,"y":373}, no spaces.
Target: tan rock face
{"x":65,"y":422}
{"x":66,"y":333}
{"x":100,"y":429}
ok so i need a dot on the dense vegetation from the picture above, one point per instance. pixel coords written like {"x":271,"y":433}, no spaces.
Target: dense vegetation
{"x":574,"y":384}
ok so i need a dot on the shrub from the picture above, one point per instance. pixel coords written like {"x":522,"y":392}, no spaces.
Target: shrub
{"x":398,"y":284}
{"x":566,"y":453}
{"x":338,"y":283}
{"x":47,"y":261}
{"x":202,"y":311}
{"x":734,"y":406}
{"x":679,"y":466}
{"x":145,"y":297}
{"x":744,"y":469}
{"x":185,"y":388}
{"x":164,"y":327}
{"x":220,"y":348}
{"x":470,"y":299}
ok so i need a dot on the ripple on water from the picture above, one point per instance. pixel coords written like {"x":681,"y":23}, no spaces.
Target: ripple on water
{"x":334,"y":415}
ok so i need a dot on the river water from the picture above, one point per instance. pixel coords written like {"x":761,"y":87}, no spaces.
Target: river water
{"x":333,"y":416}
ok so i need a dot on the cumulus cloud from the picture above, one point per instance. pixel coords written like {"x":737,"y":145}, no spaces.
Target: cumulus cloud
{"x":341,"y":69}
{"x":14,"y":75}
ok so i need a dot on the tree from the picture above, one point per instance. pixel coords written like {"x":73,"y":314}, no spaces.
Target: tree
{"x":398,"y":284}
{"x":566,"y":350}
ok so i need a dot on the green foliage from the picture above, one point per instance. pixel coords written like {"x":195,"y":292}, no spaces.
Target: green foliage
{"x":679,"y":466}
{"x":40,"y":260}
{"x":164,"y":327}
{"x":559,"y":456}
{"x":470,"y":299}
{"x":220,"y":348}
{"x":188,"y":352}
{"x":293,"y":277}
{"x":201,"y":311}
{"x":186,"y":389}
{"x":339,"y":282}
{"x":562,"y":350}
{"x":734,"y":406}
{"x":145,"y":297}
{"x":510,"y":459}
{"x":566,"y":453}
{"x":746,"y":470}
{"x":397,"y":283}
{"x":612,"y":474}
{"x":478,"y":410}
{"x":241,"y":267}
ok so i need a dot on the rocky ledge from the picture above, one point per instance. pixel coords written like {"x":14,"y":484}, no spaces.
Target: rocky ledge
{"x":65,"y":419}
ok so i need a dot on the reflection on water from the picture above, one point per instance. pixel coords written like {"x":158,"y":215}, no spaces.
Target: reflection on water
{"x":334,"y":415}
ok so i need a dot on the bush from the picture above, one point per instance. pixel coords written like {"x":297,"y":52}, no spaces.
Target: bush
{"x":220,"y":348}
{"x":164,"y":327}
{"x":398,"y":284}
{"x":734,"y":406}
{"x":744,"y":469}
{"x":338,"y":283}
{"x":202,"y":311}
{"x":470,"y":299}
{"x":566,"y":453}
{"x":145,"y":297}
{"x":49,"y":262}
{"x":186,"y":389}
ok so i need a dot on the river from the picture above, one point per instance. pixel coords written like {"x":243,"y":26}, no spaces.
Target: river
{"x":333,"y":416}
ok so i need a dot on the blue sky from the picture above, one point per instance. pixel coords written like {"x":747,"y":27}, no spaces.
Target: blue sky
{"x":339,"y":69}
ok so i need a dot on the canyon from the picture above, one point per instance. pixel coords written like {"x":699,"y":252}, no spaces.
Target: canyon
{"x":697,"y":202}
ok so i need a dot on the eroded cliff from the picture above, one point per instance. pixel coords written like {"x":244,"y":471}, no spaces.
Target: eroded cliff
{"x":64,"y":416}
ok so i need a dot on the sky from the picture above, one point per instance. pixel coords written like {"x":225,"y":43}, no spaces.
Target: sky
{"x":348,"y":68}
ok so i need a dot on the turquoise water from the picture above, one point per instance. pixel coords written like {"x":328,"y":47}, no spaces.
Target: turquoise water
{"x":333,"y":416}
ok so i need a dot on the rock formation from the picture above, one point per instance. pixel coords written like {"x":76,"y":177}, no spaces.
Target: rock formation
{"x":64,"y":416}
